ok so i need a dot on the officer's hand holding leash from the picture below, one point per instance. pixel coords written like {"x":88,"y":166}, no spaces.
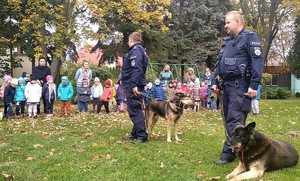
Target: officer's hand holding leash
{"x":251,"y":93}
{"x":135,"y":91}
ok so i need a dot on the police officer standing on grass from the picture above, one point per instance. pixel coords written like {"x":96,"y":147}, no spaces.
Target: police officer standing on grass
{"x":133,"y":79}
{"x":239,"y":67}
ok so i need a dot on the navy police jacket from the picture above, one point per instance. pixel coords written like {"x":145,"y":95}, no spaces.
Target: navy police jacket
{"x":241,"y":56}
{"x":134,"y":67}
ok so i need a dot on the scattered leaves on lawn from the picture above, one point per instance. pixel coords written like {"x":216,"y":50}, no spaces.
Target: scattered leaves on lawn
{"x":95,"y":157}
{"x":214,"y":178}
{"x":8,"y":176}
{"x":201,"y":175}
{"x":108,"y":156}
{"x":3,"y":145}
{"x":30,"y":158}
{"x":84,"y":136}
{"x":79,"y":150}
{"x":38,"y":146}
{"x":7,"y":163}
{"x":161,"y":165}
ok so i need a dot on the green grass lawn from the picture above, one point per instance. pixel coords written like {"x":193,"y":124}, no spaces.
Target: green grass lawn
{"x":91,"y":148}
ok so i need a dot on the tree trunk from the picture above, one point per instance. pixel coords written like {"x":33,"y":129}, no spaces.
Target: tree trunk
{"x":55,"y":69}
{"x":11,"y":59}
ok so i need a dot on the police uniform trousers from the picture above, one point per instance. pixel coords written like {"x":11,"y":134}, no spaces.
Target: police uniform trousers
{"x":136,"y":114}
{"x":236,"y":106}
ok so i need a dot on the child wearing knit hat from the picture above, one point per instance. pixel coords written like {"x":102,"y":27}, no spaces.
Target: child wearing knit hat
{"x":106,"y":96}
{"x":49,"y":95}
{"x":20,"y":97}
{"x":65,"y":92}
{"x":33,"y":94}
{"x":7,"y":80}
{"x":97,"y":91}
{"x":83,"y":94}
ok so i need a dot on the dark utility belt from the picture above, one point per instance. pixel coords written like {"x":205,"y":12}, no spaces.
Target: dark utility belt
{"x":233,"y":78}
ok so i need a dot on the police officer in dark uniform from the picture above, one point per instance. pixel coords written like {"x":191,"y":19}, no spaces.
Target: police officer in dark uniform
{"x":240,"y":66}
{"x":133,"y":78}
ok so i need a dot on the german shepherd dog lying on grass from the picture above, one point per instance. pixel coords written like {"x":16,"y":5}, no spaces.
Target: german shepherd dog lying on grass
{"x":258,"y":153}
{"x":171,"y":111}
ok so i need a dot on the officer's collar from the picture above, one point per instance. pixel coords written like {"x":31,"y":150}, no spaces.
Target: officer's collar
{"x":232,"y":37}
{"x":130,"y":48}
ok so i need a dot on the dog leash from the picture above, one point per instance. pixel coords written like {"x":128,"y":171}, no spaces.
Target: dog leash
{"x":145,"y":95}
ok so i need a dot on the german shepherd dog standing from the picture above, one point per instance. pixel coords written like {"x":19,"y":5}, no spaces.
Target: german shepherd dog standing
{"x":171,"y":111}
{"x":258,"y":153}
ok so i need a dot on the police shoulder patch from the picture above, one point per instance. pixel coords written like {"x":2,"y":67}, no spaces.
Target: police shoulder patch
{"x":255,"y":43}
{"x":133,"y":62}
{"x":257,"y":51}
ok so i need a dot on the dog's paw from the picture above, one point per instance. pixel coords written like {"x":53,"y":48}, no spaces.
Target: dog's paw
{"x":232,"y":179}
{"x":169,"y":140}
{"x":229,"y":176}
{"x":177,"y":139}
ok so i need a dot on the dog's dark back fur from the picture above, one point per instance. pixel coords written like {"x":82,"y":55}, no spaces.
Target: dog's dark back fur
{"x":258,"y":147}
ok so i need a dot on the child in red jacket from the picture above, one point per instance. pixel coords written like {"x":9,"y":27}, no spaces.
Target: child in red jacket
{"x":106,"y":96}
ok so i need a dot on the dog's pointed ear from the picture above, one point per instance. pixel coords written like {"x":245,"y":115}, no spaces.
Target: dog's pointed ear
{"x":250,"y":127}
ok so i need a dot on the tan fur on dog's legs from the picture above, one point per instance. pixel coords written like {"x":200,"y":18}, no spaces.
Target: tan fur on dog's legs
{"x":176,"y":130}
{"x":256,"y":170}
{"x":239,"y":169}
{"x":253,"y":173}
{"x":154,"y":121}
{"x":169,"y":131}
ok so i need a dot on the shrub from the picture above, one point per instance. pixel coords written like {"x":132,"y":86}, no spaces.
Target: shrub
{"x":276,"y":93}
{"x":282,"y":94}
{"x":297,"y":94}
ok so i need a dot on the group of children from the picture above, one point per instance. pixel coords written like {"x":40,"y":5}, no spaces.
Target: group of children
{"x":27,"y":90}
{"x":203,"y":96}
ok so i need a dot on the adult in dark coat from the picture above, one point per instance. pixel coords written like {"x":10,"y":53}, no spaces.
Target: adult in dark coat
{"x":41,"y":72}
{"x":134,"y":80}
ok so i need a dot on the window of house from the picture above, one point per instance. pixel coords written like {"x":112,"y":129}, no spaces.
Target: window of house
{"x":273,"y":81}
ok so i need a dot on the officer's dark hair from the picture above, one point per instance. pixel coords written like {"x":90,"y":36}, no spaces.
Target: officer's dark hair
{"x":136,"y":37}
{"x":42,"y":57}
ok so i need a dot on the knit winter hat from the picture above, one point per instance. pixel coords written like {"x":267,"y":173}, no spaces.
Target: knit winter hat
{"x":49,"y":77}
{"x":96,"y":79}
{"x":64,"y":80}
{"x":107,"y":82}
{"x":14,"y":81}
{"x":33,"y":77}
{"x":7,"y":78}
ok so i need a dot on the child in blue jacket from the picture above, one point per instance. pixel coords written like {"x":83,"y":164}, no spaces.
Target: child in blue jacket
{"x":65,"y":92}
{"x":158,"y":91}
{"x":20,"y":96}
